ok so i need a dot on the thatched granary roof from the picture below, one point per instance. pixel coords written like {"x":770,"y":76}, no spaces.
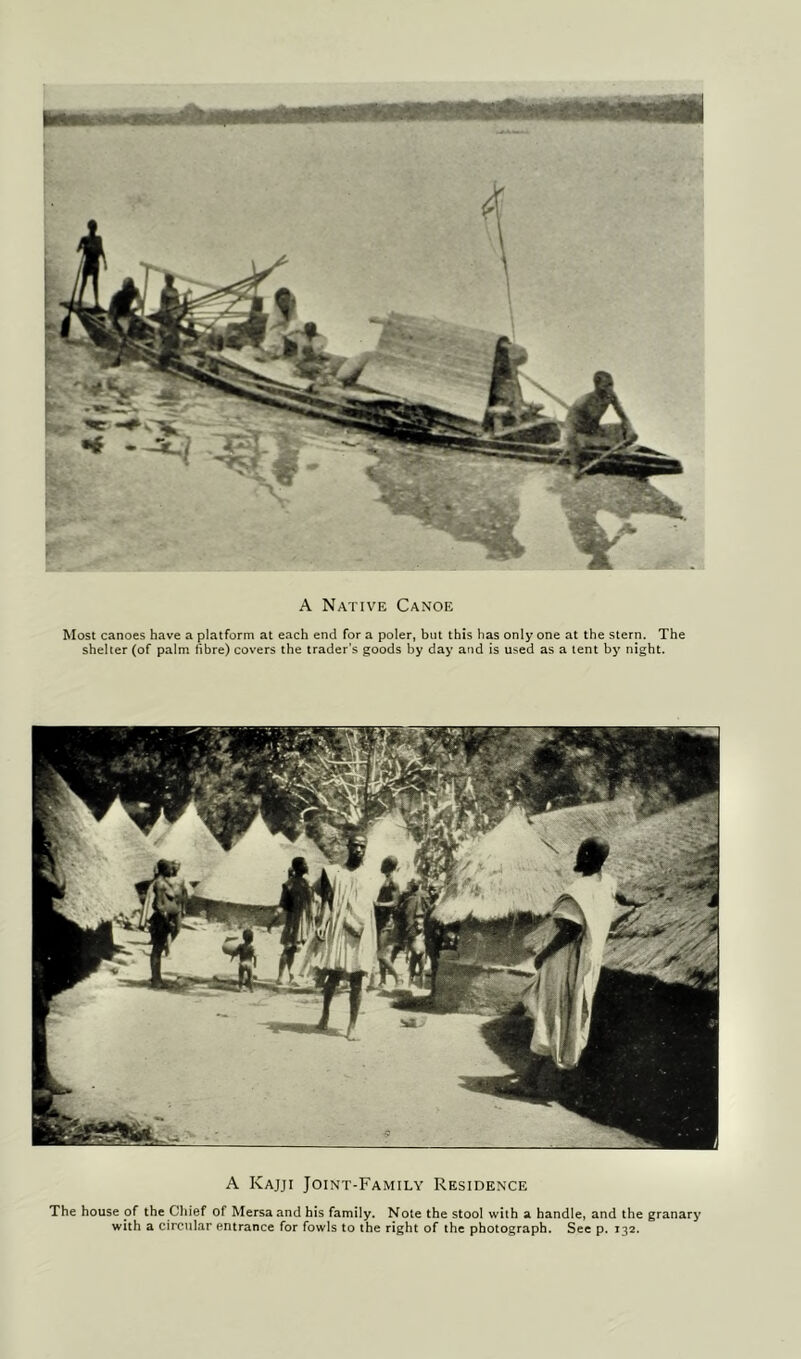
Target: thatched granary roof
{"x":251,"y":874}
{"x":123,"y":839}
{"x":190,"y":841}
{"x":390,"y":835}
{"x":669,"y":864}
{"x":96,"y":889}
{"x":159,"y":828}
{"x":509,"y":871}
{"x":521,"y":866}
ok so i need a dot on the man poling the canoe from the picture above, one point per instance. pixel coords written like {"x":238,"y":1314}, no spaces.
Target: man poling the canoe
{"x":583,"y":421}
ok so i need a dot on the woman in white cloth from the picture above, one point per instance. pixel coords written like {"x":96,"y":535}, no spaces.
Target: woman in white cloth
{"x":282,"y":323}
{"x":567,"y":969}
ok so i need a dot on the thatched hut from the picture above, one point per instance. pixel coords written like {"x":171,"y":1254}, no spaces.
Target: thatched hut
{"x":128,"y":846}
{"x":190,"y":841}
{"x":503,"y":885}
{"x":245,"y":887}
{"x":159,"y":828}
{"x":390,"y":835}
{"x":311,"y":852}
{"x":96,"y":890}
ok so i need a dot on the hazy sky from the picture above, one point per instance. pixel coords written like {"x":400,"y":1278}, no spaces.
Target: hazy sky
{"x":266,"y":96}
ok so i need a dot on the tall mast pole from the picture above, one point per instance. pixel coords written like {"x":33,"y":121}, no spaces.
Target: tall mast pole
{"x":496,"y":196}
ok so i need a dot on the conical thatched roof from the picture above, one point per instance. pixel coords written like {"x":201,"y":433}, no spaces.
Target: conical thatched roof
{"x":159,"y":828}
{"x":96,"y":889}
{"x":251,"y":874}
{"x":190,"y":841}
{"x":123,"y":839}
{"x":509,"y":871}
{"x":390,"y":835}
{"x":281,"y":838}
{"x":311,"y":852}
{"x":668,"y":864}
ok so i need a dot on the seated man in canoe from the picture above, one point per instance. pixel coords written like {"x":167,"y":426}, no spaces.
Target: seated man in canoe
{"x":283,"y":325}
{"x":583,"y":419}
{"x":311,"y":361}
{"x":122,"y":306}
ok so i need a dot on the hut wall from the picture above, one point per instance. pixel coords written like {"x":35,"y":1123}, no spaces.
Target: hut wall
{"x":72,"y":953}
{"x":477,"y":989}
{"x":230,"y":913}
{"x":496,"y":942}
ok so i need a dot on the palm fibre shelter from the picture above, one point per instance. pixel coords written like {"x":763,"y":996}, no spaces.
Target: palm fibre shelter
{"x":159,"y":828}
{"x":96,"y":892}
{"x":191,"y":843}
{"x":245,"y":887}
{"x":503,"y":884}
{"x":128,"y":845}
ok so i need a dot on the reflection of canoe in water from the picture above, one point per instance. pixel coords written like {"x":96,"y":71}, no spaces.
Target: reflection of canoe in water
{"x":427,"y":381}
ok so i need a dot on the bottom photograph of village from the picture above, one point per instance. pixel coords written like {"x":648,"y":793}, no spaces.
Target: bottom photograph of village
{"x":375,"y":936}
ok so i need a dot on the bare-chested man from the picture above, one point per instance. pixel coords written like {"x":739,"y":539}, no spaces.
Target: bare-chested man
{"x":584,"y":417}
{"x":346,"y":929}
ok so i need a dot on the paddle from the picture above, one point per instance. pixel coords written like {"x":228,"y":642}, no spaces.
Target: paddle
{"x":65,"y":324}
{"x":624,"y":443}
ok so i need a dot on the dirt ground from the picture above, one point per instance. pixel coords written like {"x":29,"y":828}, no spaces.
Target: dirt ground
{"x":205,"y":1064}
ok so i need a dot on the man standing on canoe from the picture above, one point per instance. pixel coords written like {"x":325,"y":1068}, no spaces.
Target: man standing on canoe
{"x":93,"y":253}
{"x":346,"y":929}
{"x":583,"y":419}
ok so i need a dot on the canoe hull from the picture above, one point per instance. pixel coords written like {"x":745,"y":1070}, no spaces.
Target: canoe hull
{"x":396,"y":419}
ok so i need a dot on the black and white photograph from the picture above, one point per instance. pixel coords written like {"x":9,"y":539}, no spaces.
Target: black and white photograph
{"x":376,"y":936}
{"x":374,"y":327}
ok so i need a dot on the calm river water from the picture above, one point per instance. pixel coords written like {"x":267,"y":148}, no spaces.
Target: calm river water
{"x":603,"y":225}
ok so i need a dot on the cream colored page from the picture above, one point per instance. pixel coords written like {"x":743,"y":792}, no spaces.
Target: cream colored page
{"x":723,"y":1285}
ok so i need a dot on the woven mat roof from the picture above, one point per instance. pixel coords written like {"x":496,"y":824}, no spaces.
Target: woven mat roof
{"x":96,"y":890}
{"x":132,"y":850}
{"x":669,"y":864}
{"x":252,"y":873}
{"x":190,"y":841}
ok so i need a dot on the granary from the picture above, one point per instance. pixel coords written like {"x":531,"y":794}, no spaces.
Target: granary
{"x":390,"y":835}
{"x":129,"y":847}
{"x":96,"y":890}
{"x":159,"y":828}
{"x":651,"y":1063}
{"x":191,"y":843}
{"x":503,"y":885}
{"x":245,"y":887}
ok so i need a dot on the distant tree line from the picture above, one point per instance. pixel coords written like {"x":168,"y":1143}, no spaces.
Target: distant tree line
{"x":685,"y":108}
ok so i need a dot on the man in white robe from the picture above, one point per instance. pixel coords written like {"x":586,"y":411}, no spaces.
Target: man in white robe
{"x":567,"y":969}
{"x":346,"y":930}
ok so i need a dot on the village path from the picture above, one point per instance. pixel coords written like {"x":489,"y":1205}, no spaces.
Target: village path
{"x":211,"y":1066}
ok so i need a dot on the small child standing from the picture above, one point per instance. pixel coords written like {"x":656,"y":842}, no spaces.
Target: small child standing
{"x":246,"y":954}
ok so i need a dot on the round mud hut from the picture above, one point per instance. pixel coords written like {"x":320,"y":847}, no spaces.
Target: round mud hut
{"x":501,"y":888}
{"x":191,"y":843}
{"x":245,"y":887}
{"x":96,"y":892}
